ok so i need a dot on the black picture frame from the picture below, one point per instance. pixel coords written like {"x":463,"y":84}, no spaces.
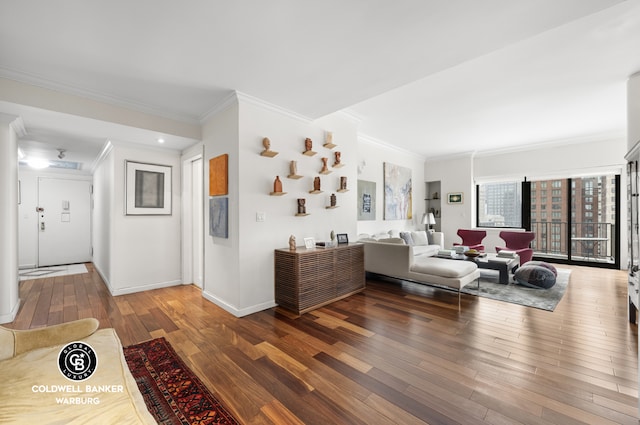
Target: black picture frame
{"x":342,"y":238}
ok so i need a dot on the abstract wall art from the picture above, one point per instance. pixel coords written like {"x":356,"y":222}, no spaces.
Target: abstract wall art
{"x":398,"y":203}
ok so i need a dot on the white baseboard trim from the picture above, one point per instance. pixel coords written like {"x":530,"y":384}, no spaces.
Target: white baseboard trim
{"x":234,"y":310}
{"x":27,"y":266}
{"x":141,"y":288}
{"x":11,"y":316}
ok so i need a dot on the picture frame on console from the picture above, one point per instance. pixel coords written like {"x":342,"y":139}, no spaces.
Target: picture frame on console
{"x":309,"y":243}
{"x":343,"y":238}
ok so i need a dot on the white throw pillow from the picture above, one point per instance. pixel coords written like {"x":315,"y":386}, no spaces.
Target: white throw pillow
{"x":393,"y":233}
{"x":420,"y":237}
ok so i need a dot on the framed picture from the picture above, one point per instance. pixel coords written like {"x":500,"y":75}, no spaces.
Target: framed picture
{"x":219,"y":217}
{"x":218,"y":175}
{"x":366,"y":200}
{"x":148,"y":189}
{"x":454,"y":198}
{"x":398,"y":203}
{"x":342,"y":238}
{"x":309,"y":243}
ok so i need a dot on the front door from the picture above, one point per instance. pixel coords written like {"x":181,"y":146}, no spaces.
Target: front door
{"x":64,"y":221}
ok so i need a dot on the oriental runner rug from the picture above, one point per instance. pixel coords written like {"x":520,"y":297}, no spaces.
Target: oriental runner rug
{"x":172,"y":392}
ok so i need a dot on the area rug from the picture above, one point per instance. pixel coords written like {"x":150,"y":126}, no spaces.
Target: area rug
{"x":172,"y":392}
{"x":544,"y":299}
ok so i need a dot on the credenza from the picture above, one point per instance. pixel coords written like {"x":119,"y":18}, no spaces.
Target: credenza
{"x":306,"y":279}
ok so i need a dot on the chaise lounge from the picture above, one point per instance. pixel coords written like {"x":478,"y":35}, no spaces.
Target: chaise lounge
{"x":393,"y":258}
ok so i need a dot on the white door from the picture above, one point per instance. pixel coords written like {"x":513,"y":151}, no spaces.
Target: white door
{"x":64,"y":221}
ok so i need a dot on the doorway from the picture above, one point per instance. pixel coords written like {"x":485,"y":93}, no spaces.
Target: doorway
{"x":64,"y":221}
{"x":193,"y":221}
{"x":576,"y":220}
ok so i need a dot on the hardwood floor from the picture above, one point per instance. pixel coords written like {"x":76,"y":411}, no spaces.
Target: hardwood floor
{"x":393,"y":354}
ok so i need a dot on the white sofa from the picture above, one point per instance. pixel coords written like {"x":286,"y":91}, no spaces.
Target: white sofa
{"x":423,"y":243}
{"x":393,"y":258}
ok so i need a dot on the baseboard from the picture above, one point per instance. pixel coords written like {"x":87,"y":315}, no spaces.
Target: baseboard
{"x":11,"y":316}
{"x":235,"y":311}
{"x":142,"y":288}
{"x":27,"y":266}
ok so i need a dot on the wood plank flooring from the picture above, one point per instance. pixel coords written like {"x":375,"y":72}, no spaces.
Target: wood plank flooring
{"x":393,"y":354}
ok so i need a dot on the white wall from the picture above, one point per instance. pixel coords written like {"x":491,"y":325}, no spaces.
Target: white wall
{"x":374,"y":155}
{"x":27,"y":215}
{"x":547,"y":161}
{"x":103,"y":194}
{"x":633,"y":110}
{"x":239,"y":271}
{"x":9,"y":302}
{"x":136,"y":253}
{"x":222,"y":261}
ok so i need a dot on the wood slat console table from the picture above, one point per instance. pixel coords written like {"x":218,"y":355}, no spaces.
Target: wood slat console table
{"x":307,"y":279}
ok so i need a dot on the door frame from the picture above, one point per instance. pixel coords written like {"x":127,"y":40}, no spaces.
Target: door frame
{"x":188,"y":205}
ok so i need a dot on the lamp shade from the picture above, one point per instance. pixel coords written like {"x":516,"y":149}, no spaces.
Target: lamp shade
{"x":428,"y":219}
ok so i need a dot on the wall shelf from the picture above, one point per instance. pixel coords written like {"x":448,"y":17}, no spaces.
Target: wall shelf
{"x":326,"y":172}
{"x":332,"y":207}
{"x":268,"y":154}
{"x":301,"y":214}
{"x":277,"y":193}
{"x":315,"y":192}
{"x":309,"y":153}
{"x":342,"y":190}
{"x":329,"y":145}
{"x":294,"y":176}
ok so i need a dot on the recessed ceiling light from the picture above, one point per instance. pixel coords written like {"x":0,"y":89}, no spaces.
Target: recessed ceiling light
{"x":37,"y":163}
{"x":160,"y":140}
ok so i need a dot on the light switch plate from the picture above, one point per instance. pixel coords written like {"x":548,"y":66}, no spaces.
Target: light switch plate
{"x":260,"y":216}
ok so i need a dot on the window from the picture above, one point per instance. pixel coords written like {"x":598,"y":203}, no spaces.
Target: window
{"x":500,"y":204}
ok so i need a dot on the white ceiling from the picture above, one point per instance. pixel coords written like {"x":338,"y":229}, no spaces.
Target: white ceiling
{"x":431,"y":77}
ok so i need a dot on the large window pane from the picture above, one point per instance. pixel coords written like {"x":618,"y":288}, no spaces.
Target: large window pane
{"x":500,"y":204}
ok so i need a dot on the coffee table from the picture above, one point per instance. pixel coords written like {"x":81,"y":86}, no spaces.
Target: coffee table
{"x":505,"y":266}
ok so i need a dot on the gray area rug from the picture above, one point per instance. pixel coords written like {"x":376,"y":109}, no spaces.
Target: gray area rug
{"x":544,"y":299}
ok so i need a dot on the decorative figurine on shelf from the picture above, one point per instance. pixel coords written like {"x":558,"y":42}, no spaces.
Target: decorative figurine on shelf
{"x":435,"y":195}
{"x":333,"y":201}
{"x":337,"y":161}
{"x":324,"y":165}
{"x":277,"y":185}
{"x":266,"y":143}
{"x":308,"y":146}
{"x":328,"y":141}
{"x":333,"y":236}
{"x":316,"y":184}
{"x":292,"y":243}
{"x":302,"y":209}
{"x":343,"y":183}
{"x":293,"y":168}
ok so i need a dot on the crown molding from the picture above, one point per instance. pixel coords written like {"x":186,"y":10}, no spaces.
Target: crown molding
{"x":251,"y":100}
{"x":352,"y":116}
{"x":106,"y":149}
{"x":18,"y":127}
{"x":381,"y":143}
{"x":546,"y":144}
{"x":236,"y":97}
{"x":38,"y":81}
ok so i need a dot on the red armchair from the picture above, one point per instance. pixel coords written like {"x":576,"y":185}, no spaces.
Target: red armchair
{"x":519,"y":242}
{"x":471,"y":238}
